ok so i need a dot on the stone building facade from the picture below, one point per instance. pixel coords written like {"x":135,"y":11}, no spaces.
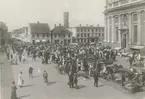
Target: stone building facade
{"x":88,"y":34}
{"x":21,"y":34}
{"x":61,"y":35}
{"x":35,"y":32}
{"x":39,"y":32}
{"x":125,"y":22}
{"x":3,"y":34}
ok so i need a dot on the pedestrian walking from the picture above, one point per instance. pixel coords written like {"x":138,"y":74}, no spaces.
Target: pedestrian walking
{"x":71,"y":83}
{"x":123,"y":79}
{"x":20,"y":57}
{"x":13,"y":91}
{"x":30,"y":72}
{"x":8,"y":55}
{"x":131,"y":61}
{"x":75,"y":80}
{"x":45,"y":76}
{"x":20,"y":80}
{"x":96,"y":78}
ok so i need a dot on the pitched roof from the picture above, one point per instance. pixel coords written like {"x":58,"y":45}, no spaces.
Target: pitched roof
{"x":39,"y":28}
{"x":61,"y":29}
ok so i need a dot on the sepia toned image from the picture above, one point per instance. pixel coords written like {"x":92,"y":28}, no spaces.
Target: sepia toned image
{"x":72,"y":49}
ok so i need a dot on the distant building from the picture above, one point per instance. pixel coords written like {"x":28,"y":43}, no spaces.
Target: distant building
{"x":3,"y":34}
{"x":88,"y":34}
{"x":40,"y":32}
{"x":74,"y":32}
{"x":21,"y":34}
{"x":35,"y":32}
{"x":125,"y":22}
{"x":61,"y":35}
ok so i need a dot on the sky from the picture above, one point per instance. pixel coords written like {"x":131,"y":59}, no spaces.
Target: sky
{"x":19,"y":13}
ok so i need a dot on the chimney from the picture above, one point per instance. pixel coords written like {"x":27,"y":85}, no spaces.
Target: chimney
{"x":66,"y":19}
{"x":37,"y":22}
{"x":80,"y":25}
{"x":54,"y":25}
{"x":98,"y":25}
{"x":59,"y":24}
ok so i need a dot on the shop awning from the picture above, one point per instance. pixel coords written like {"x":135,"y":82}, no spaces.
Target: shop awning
{"x":43,"y":40}
{"x":37,"y":40}
{"x":137,"y":47}
{"x":140,"y":49}
{"x":117,"y":48}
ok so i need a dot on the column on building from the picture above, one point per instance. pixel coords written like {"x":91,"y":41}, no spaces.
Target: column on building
{"x":119,"y":25}
{"x":105,"y":34}
{"x":143,"y":27}
{"x":108,"y":30}
{"x":113,"y":33}
{"x":139,"y":28}
{"x":130,"y":28}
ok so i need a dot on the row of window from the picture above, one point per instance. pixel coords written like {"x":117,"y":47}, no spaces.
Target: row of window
{"x":135,"y":32}
{"x":124,"y":18}
{"x":62,"y":42}
{"x":85,"y":40}
{"x":117,"y":2}
{"x":55,"y":35}
{"x":90,"y":30}
{"x":41,"y":35}
{"x":47,"y":35}
{"x":88,"y":35}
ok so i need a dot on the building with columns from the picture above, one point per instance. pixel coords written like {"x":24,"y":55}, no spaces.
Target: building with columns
{"x":125,"y":23}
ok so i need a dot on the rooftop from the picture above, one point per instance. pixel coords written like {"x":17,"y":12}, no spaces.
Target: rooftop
{"x":39,"y":28}
{"x":60,"y":29}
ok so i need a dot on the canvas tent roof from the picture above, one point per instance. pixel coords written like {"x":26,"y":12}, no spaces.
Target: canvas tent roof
{"x":141,"y":49}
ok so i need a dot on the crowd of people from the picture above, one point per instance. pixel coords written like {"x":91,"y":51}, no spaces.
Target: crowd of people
{"x":71,"y":59}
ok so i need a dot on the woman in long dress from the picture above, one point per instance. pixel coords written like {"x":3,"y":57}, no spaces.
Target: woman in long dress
{"x":20,"y":80}
{"x":13,"y":91}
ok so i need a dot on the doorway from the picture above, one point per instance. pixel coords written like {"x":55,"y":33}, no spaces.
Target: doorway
{"x":123,"y":40}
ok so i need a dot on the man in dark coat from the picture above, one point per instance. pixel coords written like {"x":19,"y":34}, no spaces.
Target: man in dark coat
{"x":8,"y":55}
{"x":131,"y":61}
{"x":96,"y":78}
{"x":86,"y":67}
{"x":13,"y":91}
{"x":70,"y":83}
{"x":107,"y":55}
{"x":123,"y":80}
{"x":46,"y":57}
{"x":30,"y":72}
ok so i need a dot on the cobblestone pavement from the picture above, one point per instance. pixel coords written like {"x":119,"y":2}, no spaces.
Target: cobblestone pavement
{"x":6,"y":77}
{"x":58,"y":88}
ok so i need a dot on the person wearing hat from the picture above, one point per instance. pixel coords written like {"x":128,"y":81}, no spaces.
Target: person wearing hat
{"x":13,"y":91}
{"x":30,"y":72}
{"x":96,"y":78}
{"x":45,"y":76}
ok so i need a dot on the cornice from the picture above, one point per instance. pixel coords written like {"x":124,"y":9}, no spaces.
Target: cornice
{"x":124,"y":7}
